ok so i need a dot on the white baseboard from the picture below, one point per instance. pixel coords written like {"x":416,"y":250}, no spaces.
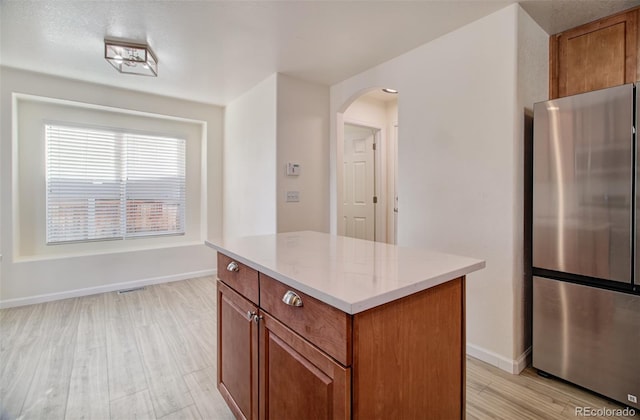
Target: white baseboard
{"x":508,"y":365}
{"x":10,"y":303}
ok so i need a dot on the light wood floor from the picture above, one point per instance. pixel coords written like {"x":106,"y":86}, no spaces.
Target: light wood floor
{"x":150,"y":354}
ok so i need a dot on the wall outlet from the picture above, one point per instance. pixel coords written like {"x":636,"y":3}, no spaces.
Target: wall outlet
{"x":632,"y":398}
{"x":293,"y":196}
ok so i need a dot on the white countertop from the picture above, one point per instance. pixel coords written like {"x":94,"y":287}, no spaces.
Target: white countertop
{"x":350,"y":274}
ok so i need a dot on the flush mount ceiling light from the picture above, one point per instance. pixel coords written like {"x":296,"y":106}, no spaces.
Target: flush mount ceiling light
{"x":387,"y":90}
{"x":130,"y":57}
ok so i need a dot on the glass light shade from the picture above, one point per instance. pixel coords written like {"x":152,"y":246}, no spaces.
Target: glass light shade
{"x":131,"y":58}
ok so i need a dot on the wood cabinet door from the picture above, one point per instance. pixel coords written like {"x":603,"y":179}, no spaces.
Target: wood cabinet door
{"x":298,"y":381}
{"x":237,"y":353}
{"x":594,"y":56}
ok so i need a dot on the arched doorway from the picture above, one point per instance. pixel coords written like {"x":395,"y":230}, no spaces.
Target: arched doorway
{"x":366,"y":167}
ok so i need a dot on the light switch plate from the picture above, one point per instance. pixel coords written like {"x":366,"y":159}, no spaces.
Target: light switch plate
{"x":293,"y":169}
{"x":293,"y":196}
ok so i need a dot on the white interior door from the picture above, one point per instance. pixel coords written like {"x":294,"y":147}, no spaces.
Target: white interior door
{"x":359,"y":182}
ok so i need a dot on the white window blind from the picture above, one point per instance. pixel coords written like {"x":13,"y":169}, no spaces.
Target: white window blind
{"x":105,"y":184}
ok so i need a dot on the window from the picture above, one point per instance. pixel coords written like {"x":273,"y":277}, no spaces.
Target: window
{"x":104,"y":184}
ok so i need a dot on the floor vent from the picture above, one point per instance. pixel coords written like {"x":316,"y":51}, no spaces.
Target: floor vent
{"x":135,"y":289}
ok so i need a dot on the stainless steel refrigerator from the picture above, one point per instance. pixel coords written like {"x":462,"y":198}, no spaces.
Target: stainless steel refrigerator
{"x":586,"y":253}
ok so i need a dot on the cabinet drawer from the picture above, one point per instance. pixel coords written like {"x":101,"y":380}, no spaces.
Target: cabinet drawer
{"x":321,"y":324}
{"x":242,"y":279}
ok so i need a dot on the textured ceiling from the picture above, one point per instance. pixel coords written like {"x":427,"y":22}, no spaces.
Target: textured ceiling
{"x":213,"y":51}
{"x":559,"y":15}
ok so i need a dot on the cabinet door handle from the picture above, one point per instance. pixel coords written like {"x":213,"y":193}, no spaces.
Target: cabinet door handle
{"x":292,"y":299}
{"x":251,"y":315}
{"x":233,"y":266}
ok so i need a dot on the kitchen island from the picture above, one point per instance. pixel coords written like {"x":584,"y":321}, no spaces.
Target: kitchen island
{"x":312,"y":325}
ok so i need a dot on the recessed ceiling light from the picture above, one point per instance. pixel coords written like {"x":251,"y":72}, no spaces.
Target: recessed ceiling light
{"x":387,"y":90}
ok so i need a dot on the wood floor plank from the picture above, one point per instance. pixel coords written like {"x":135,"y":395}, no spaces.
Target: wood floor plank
{"x":23,"y":325}
{"x":187,"y":413}
{"x":91,"y":322}
{"x":133,"y":407}
{"x":476,"y":379}
{"x":206,"y":299}
{"x":205,"y":287}
{"x":13,"y":323}
{"x":202,"y":385}
{"x":504,"y":406}
{"x":49,"y":390}
{"x":89,"y":385}
{"x":18,"y":367}
{"x":182,"y":302}
{"x":116,"y":307}
{"x":187,"y":349}
{"x":124,"y":362}
{"x":168,"y":391}
{"x":60,"y":321}
{"x":543,"y":399}
{"x":204,"y":331}
{"x":145,"y":306}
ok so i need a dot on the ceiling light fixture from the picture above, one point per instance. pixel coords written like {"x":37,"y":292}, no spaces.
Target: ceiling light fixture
{"x":387,"y":90}
{"x":131,"y":57}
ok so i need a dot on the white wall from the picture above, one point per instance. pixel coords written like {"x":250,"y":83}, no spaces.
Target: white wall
{"x":533,"y":84}
{"x":249,"y":195}
{"x":303,"y":137}
{"x":26,"y":281}
{"x":458,"y":164}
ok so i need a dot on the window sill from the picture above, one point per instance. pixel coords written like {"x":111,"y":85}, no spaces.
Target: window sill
{"x":45,"y":257}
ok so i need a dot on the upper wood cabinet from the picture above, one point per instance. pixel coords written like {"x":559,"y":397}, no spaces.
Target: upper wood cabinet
{"x":594,"y":56}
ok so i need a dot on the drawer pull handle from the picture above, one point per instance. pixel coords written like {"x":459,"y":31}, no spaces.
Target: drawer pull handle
{"x":233,"y":266}
{"x":292,"y":299}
